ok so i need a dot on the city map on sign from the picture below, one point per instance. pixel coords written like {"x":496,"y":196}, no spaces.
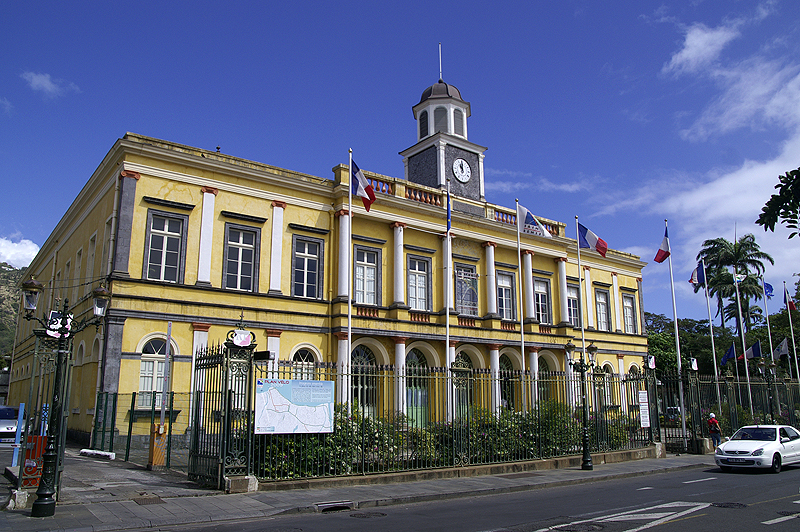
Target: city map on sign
{"x":293,"y":406}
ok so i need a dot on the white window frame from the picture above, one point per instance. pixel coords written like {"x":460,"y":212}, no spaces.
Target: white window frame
{"x":419,"y":285}
{"x":629,"y":313}
{"x":541,"y":300}
{"x":574,"y":305}
{"x":603,"y":310}
{"x":366,"y":275}
{"x":505,"y":296}
{"x":302,"y":241}
{"x":240,"y":248}
{"x":165,"y":234}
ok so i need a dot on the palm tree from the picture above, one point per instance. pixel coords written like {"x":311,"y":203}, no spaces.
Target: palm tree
{"x":745,"y":257}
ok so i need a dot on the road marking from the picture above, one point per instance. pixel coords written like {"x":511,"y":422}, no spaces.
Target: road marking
{"x":700,"y":480}
{"x":645,"y":488}
{"x":780,"y":519}
{"x":654,"y":514}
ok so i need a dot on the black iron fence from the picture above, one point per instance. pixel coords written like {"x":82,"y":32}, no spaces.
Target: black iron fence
{"x":421,"y":418}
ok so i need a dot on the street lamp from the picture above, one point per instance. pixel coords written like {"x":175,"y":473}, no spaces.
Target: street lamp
{"x":581,"y":366}
{"x":62,"y":327}
{"x":769,"y":377}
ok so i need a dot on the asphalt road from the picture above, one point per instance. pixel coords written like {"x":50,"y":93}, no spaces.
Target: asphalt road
{"x":697,"y":500}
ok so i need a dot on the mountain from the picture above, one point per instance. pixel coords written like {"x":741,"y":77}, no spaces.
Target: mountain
{"x":9,"y":303}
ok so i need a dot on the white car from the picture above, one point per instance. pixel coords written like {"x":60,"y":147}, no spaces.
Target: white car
{"x":764,"y":446}
{"x":8,"y":424}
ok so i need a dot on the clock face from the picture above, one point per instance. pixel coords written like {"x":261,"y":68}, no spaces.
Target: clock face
{"x":461,"y":170}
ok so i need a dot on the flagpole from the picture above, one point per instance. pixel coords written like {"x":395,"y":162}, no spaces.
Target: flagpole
{"x":586,"y":461}
{"x":791,"y":331}
{"x":447,"y":279}
{"x":766,"y":313}
{"x":521,"y":312}
{"x":677,"y":347}
{"x":711,"y":332}
{"x":349,"y":280}
{"x":744,"y":344}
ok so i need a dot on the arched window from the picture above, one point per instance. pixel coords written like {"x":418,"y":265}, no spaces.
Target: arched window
{"x":458,"y":122}
{"x":151,"y":372}
{"x":364,"y":380}
{"x":303,"y":365}
{"x":440,"y":120}
{"x":423,"y":124}
{"x":79,"y":356}
{"x":417,"y":388}
{"x":506,"y":382}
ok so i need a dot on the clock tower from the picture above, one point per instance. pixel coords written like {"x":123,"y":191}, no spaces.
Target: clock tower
{"x":442,"y":149}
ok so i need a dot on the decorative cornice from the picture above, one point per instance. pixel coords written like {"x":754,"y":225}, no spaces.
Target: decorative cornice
{"x":209,"y":190}
{"x":167,"y":203}
{"x":494,"y":347}
{"x":395,"y":225}
{"x":341,"y":212}
{"x":489,"y":244}
{"x":200,"y":327}
{"x":400,"y":339}
{"x":244,"y":217}
{"x":280,"y":204}
{"x":561,"y":259}
{"x":273,"y":333}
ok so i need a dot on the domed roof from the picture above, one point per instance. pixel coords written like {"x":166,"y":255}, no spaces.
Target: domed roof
{"x":440,"y":90}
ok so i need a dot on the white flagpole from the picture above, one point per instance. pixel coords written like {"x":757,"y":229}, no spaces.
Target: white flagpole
{"x":583,"y":303}
{"x":744,"y":344}
{"x":791,"y":331}
{"x":711,"y":332}
{"x":766,"y":313}
{"x":348,"y":366}
{"x":677,"y":347}
{"x":448,"y":279}
{"x":521,"y":312}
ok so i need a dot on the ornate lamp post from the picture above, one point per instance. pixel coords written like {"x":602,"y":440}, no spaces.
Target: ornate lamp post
{"x":768,"y":374}
{"x":64,"y":329}
{"x":581,"y":366}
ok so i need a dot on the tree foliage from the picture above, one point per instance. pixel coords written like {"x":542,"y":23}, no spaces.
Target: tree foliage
{"x":783,"y":206}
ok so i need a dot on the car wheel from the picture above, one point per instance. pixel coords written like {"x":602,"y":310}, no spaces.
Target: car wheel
{"x":725,"y":468}
{"x":776,"y":464}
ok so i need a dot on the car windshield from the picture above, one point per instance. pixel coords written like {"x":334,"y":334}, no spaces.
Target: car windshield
{"x":755,"y":433}
{"x":7,"y":412}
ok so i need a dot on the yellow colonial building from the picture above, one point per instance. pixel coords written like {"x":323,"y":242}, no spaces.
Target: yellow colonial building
{"x":200,"y":239}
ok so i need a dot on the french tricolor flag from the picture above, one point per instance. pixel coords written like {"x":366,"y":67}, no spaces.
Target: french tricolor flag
{"x":587,"y":239}
{"x":361,"y":186}
{"x":663,"y":251}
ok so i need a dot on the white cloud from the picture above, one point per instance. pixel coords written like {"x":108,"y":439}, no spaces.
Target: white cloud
{"x":18,"y":254}
{"x":50,"y":88}
{"x":701,"y":48}
{"x":526,"y":181}
{"x":6,"y":105}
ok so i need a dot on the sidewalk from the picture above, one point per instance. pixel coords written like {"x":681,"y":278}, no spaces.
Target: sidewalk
{"x":115,"y":495}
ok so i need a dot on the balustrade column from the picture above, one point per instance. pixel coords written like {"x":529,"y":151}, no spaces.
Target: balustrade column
{"x":491,"y":280}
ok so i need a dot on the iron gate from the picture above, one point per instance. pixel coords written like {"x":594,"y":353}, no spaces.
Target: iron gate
{"x":222,"y":412}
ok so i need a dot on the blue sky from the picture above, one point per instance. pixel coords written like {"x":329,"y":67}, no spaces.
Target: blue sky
{"x":623,"y":113}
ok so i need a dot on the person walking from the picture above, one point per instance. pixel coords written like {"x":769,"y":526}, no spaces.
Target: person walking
{"x":714,"y":430}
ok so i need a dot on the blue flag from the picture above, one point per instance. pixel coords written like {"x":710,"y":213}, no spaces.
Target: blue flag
{"x":754,"y":351}
{"x":768,"y":290}
{"x":729,"y":355}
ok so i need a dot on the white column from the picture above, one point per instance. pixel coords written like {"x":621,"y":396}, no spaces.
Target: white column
{"x":587,"y":285}
{"x":527,"y":282}
{"x":342,"y":370}
{"x":447,"y":275}
{"x":562,"y":289}
{"x":276,"y":247}
{"x":494,"y":371}
{"x":206,"y":236}
{"x":199,"y":341}
{"x":344,"y":239}
{"x":491,"y":279}
{"x":399,"y":266}
{"x":533,"y":364}
{"x":400,"y":373}
{"x":623,"y":385}
{"x":618,"y":323}
{"x":274,"y":347}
